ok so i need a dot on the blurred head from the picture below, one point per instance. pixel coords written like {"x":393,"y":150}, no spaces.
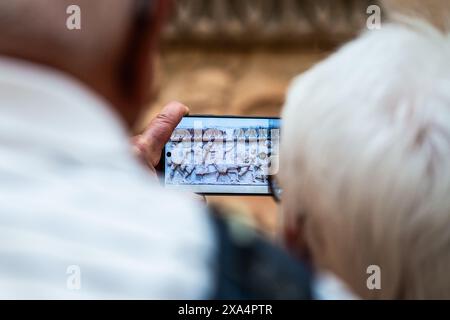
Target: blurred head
{"x":112,"y":53}
{"x":365,"y":160}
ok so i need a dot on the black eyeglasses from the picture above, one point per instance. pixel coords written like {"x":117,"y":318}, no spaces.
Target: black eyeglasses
{"x":273,"y":178}
{"x":274,"y":186}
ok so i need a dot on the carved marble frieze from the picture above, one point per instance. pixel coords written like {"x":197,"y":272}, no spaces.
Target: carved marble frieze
{"x":266,"y":21}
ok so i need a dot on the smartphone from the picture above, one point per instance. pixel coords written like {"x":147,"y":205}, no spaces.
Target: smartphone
{"x":222,"y":155}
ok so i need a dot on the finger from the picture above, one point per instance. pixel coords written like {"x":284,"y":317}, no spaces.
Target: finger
{"x":159,"y":131}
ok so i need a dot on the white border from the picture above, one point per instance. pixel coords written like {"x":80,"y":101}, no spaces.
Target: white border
{"x":221,"y":189}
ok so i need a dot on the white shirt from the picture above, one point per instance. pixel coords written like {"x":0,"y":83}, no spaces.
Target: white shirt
{"x":80,"y":217}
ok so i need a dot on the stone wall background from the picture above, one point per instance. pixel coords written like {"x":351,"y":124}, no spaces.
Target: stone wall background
{"x":238,"y":57}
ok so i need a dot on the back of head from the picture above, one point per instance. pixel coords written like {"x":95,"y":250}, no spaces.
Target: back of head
{"x":367,"y":133}
{"x":37,"y":31}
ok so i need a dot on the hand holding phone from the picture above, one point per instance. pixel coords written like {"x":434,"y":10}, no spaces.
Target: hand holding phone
{"x":222,"y":155}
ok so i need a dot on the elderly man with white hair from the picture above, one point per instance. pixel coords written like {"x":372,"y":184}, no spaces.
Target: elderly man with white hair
{"x":365,"y":163}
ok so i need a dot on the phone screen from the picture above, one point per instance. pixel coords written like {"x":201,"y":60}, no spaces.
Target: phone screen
{"x":222,"y":155}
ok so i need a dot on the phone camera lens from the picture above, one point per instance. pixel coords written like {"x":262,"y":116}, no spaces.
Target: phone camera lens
{"x":168,"y":154}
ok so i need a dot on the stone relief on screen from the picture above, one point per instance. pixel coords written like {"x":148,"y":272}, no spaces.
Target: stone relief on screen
{"x":227,"y":156}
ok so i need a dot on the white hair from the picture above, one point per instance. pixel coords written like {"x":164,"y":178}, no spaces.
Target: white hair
{"x":365,"y":154}
{"x":436,"y":12}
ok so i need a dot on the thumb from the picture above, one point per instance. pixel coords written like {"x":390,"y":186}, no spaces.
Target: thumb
{"x":151,"y":142}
